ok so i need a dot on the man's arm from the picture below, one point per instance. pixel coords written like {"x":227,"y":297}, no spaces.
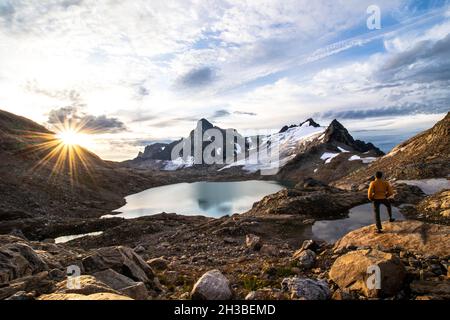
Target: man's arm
{"x":390,"y":191}
{"x":370,"y":192}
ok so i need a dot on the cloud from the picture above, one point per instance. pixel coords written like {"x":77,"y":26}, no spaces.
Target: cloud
{"x":245,"y":113}
{"x":95,"y":124}
{"x":391,"y":111}
{"x":220,"y":114}
{"x":426,"y":61}
{"x":143,"y":91}
{"x":197,"y":77}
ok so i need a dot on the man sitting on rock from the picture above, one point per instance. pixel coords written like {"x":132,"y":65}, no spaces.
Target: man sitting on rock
{"x":379,"y":192}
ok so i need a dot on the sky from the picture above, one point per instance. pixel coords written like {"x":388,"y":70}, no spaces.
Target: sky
{"x":144,"y":71}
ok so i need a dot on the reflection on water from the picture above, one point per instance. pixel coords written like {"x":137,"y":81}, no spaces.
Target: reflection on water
{"x":213,"y":199}
{"x":360,"y":216}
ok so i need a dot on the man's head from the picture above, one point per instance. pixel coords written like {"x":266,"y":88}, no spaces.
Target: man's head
{"x":379,"y":174}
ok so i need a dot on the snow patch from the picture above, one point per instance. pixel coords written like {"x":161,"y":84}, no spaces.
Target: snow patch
{"x":286,"y":142}
{"x":429,"y":186}
{"x":179,"y":163}
{"x":364,"y":160}
{"x":328,"y":156}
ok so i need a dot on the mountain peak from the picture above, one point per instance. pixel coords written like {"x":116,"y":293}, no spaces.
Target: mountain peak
{"x":337,"y":133}
{"x":310,"y":122}
{"x":337,"y":125}
{"x":205,"y":123}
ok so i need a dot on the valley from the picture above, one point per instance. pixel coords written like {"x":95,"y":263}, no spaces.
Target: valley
{"x":258,"y":236}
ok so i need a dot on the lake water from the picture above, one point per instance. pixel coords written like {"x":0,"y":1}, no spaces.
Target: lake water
{"x":360,"y":216}
{"x":213,"y":199}
{"x":217,"y":199}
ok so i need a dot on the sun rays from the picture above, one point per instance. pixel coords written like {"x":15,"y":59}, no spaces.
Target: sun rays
{"x":62,"y":153}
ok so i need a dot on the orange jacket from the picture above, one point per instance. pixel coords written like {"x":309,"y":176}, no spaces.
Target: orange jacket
{"x":379,"y":189}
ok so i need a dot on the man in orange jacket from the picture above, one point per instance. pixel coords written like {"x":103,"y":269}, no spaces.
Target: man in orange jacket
{"x":379,"y":192}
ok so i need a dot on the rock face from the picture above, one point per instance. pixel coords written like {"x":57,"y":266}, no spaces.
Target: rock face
{"x":414,"y":236}
{"x":122,"y":260}
{"x":75,"y":296}
{"x":18,"y":260}
{"x":327,"y":157}
{"x":24,"y":197}
{"x":350,"y":271}
{"x":421,"y":157}
{"x":439,"y":289}
{"x":310,"y":202}
{"x":213,"y":285}
{"x":306,"y":289}
{"x":122,"y":284}
{"x":84,"y":285}
{"x":157,"y":152}
{"x":436,"y":207}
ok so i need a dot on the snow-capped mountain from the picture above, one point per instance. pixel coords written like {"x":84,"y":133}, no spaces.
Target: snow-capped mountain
{"x":306,"y":149}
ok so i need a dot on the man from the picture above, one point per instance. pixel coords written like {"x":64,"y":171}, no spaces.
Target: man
{"x":379,"y":192}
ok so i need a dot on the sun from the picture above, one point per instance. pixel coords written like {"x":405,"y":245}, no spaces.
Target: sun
{"x":64,"y":151}
{"x":71,"y":137}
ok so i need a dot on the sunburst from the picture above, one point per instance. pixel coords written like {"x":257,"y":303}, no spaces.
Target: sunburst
{"x":63,"y":151}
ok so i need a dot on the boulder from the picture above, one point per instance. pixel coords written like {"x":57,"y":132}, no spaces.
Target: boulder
{"x":309,"y":244}
{"x":158,"y":263}
{"x":122,"y":260}
{"x":212,"y":285}
{"x":36,"y":284}
{"x":434,"y":288}
{"x":266,"y":294}
{"x":18,"y":260}
{"x":123,"y":284}
{"x":305,"y":259}
{"x":253,"y":242}
{"x":306,"y":289}
{"x":413,"y":236}
{"x":84,"y":285}
{"x":75,"y":296}
{"x":351,"y":272}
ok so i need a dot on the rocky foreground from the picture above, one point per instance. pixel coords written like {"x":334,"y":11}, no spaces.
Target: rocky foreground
{"x":224,"y":260}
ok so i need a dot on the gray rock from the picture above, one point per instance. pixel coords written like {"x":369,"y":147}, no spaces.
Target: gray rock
{"x":122,"y":260}
{"x":123,"y":284}
{"x":212,"y":285}
{"x":253,"y":242}
{"x":22,"y":296}
{"x":306,"y":289}
{"x":305,"y":259}
{"x":158,"y":263}
{"x":18,"y":260}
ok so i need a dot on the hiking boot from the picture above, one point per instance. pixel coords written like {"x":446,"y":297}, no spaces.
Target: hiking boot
{"x":391,"y":219}
{"x":378,"y":231}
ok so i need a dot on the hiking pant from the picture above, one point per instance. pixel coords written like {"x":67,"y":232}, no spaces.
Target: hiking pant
{"x":376,"y":210}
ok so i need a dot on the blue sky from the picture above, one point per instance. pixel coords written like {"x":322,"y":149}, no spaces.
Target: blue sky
{"x":143,"y":71}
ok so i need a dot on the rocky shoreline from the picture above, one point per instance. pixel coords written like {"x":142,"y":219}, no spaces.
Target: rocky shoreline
{"x":225,"y":260}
